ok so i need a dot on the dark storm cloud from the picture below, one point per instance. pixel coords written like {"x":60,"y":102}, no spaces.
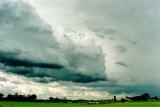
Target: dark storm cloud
{"x":41,"y":71}
{"x":74,"y":77}
{"x":48,"y":75}
{"x":30,"y":49}
{"x":128,"y":32}
{"x":10,"y":59}
{"x":121,"y":64}
{"x":114,"y":87}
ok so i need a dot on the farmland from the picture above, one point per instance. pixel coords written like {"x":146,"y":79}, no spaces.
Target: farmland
{"x":35,"y":104}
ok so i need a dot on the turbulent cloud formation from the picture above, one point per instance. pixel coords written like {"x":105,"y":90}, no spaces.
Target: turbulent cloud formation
{"x":93,"y":47}
{"x":125,"y":30}
{"x":57,"y":89}
{"x":29,"y":48}
{"x":9,"y":59}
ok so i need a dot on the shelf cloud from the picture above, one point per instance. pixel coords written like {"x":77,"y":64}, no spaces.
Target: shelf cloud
{"x":30,"y":49}
{"x":96,"y":48}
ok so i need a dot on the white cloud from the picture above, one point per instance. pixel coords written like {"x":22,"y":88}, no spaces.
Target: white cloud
{"x":23,"y":85}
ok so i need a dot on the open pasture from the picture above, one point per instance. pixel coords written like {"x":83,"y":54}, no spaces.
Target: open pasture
{"x":34,"y":104}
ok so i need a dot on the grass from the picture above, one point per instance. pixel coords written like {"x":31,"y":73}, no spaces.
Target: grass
{"x":29,"y":104}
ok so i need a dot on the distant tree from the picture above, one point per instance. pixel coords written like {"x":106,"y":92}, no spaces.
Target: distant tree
{"x":32,"y":97}
{"x":127,"y":97}
{"x":56,"y":99}
{"x":1,"y":96}
{"x":51,"y":98}
{"x":155,"y":98}
{"x":123,"y":100}
{"x":16,"y":94}
{"x":15,"y":97}
{"x":9,"y":97}
{"x":145,"y":96}
{"x":64,"y":98}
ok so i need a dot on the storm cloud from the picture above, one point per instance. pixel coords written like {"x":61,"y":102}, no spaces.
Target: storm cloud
{"x":29,"y":48}
{"x":9,"y":59}
{"x":96,"y":48}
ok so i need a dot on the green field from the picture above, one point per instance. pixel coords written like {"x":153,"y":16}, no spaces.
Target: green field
{"x":28,"y":104}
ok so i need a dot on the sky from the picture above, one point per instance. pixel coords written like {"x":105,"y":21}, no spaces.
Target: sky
{"x":80,"y":49}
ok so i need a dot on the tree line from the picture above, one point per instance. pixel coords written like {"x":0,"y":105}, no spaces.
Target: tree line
{"x":17,"y":97}
{"x":142,"y":97}
{"x":33,"y":98}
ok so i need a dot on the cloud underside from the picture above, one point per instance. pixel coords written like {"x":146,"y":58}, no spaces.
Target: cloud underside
{"x":99,"y":90}
{"x":29,"y":48}
{"x":9,"y":59}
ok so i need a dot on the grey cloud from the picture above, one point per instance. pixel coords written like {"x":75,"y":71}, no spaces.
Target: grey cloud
{"x":137,"y":24}
{"x":127,"y":30}
{"x":114,"y":87}
{"x":11,"y":59}
{"x":44,"y":90}
{"x":121,"y":64}
{"x":103,"y":31}
{"x":30,"y":49}
{"x":50,"y":75}
{"x":3,"y":79}
{"x":121,"y":49}
{"x":44,"y":72}
{"x":133,"y":41}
